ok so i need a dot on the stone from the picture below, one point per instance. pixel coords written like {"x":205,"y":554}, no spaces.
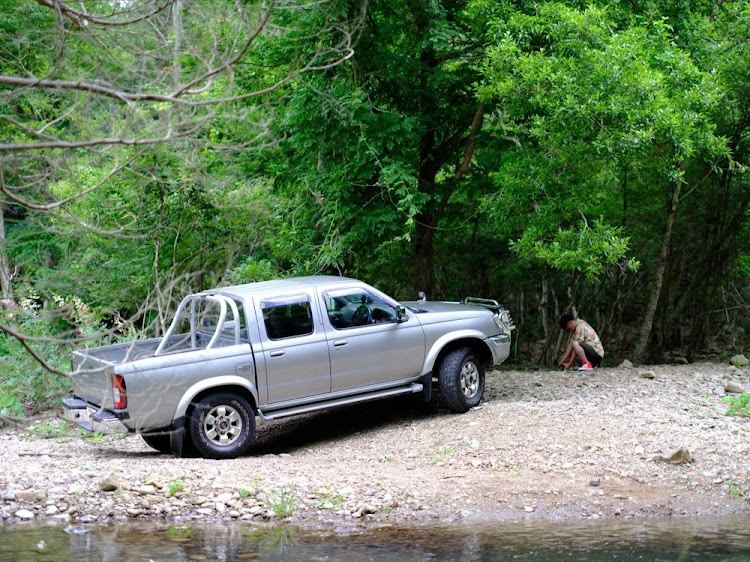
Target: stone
{"x":626,"y":364}
{"x":24,"y":495}
{"x":596,"y":481}
{"x":733,"y":388}
{"x":365,"y":509}
{"x":740,"y":360}
{"x":680,"y":456}
{"x":648,"y":374}
{"x":109,"y":484}
{"x":24,"y":514}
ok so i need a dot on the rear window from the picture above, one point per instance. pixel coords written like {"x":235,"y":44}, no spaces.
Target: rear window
{"x":287,"y":317}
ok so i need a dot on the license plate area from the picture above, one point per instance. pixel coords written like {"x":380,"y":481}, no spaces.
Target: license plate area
{"x":79,"y":416}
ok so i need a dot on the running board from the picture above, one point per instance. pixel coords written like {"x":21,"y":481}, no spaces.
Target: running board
{"x":413,"y":388}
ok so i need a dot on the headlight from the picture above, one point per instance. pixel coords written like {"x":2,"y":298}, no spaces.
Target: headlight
{"x":504,"y":320}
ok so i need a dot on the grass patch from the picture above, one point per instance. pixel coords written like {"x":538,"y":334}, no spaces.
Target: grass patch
{"x":282,"y":502}
{"x":175,"y":487}
{"x":738,"y":405}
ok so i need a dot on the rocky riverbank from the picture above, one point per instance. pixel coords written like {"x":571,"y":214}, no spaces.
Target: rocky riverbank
{"x":612,"y":443}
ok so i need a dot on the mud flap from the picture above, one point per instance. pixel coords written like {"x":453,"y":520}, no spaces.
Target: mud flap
{"x":426,"y":394}
{"x":177,"y":437}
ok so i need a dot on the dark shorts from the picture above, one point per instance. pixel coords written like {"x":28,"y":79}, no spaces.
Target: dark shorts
{"x":594,"y":358}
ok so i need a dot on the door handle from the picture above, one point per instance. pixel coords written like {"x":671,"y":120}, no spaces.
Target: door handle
{"x":277,"y":353}
{"x":339,"y":343}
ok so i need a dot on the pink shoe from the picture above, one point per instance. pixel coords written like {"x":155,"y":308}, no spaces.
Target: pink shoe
{"x":586,"y":367}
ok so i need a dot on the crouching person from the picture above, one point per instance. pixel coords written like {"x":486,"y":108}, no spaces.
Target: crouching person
{"x":585,"y":345}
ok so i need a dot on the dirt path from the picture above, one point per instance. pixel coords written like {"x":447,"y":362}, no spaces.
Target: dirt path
{"x":543,"y":444}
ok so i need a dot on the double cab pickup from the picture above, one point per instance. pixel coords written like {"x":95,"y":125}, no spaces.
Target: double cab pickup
{"x":280,"y":348}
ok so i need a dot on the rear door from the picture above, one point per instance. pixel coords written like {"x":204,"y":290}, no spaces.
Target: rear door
{"x":295,"y":349}
{"x":366,"y":343}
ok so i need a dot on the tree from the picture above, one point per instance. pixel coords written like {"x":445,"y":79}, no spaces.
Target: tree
{"x":111,"y":119}
{"x":377,"y":152}
{"x":89,"y":91}
{"x":625,"y":103}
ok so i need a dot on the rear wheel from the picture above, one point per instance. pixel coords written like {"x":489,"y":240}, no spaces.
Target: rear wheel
{"x":222,"y":426}
{"x":161,"y":443}
{"x":461,"y":380}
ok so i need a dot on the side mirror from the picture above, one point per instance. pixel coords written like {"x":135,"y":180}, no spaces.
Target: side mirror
{"x":401,"y":315}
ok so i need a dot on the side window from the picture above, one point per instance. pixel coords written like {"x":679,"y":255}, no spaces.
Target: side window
{"x":353,"y":308}
{"x":287,"y":317}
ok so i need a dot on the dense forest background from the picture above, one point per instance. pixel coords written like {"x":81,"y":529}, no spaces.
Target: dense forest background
{"x":556,"y":156}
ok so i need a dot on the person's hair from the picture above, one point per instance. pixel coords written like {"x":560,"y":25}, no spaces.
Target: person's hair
{"x":564,"y":319}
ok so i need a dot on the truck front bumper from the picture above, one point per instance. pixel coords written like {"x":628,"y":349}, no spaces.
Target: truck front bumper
{"x":91,"y":418}
{"x":500,"y":347}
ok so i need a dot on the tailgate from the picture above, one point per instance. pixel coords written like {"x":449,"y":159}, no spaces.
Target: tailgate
{"x":92,"y":368}
{"x":92,"y":379}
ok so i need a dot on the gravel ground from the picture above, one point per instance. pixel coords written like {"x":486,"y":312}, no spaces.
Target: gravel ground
{"x":542,"y":444}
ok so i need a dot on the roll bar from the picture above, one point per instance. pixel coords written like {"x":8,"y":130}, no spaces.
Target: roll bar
{"x":191,"y":301}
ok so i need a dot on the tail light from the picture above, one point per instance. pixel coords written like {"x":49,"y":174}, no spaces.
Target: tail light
{"x":119,"y":394}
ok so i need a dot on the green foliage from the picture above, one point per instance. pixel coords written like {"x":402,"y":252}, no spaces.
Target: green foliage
{"x":738,"y":405}
{"x":251,"y":270}
{"x":329,"y":499}
{"x":175,"y":532}
{"x":736,"y":491}
{"x":595,"y":105}
{"x":523,"y":151}
{"x":282,"y":502}
{"x":61,"y":430}
{"x":175,"y":487}
{"x":26,"y":387}
{"x":593,"y":251}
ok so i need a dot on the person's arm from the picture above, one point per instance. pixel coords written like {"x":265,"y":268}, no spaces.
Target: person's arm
{"x":568,"y":357}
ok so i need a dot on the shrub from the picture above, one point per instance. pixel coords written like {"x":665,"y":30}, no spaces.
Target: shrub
{"x":739,"y":405}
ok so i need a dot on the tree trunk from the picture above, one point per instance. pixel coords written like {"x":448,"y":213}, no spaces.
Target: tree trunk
{"x":433,"y":158}
{"x":424,"y":254}
{"x":639,"y":354}
{"x":178,"y":40}
{"x":6,"y":288}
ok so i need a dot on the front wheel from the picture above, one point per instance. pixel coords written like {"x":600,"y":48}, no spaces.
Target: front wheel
{"x":461,"y":380}
{"x":222,"y":426}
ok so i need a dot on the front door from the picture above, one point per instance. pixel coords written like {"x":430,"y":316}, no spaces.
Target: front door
{"x":367,"y":345}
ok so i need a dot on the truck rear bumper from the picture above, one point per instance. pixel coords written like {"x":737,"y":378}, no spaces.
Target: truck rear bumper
{"x":91,"y":418}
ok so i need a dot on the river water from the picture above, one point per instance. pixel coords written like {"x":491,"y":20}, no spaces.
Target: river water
{"x":668,"y":539}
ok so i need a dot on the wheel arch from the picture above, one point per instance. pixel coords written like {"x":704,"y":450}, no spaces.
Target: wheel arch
{"x":202,"y":389}
{"x":474,"y":343}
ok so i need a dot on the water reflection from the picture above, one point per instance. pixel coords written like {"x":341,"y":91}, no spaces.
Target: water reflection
{"x":699,"y":539}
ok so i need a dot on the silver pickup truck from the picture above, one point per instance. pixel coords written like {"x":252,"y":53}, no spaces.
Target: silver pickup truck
{"x":280,"y":348}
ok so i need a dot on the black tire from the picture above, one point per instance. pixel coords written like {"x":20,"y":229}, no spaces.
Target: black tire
{"x":161,"y":443}
{"x":222,"y":426}
{"x":461,"y":380}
